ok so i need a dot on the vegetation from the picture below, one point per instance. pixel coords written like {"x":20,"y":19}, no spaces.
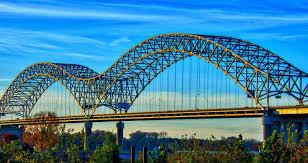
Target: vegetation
{"x":108,"y":151}
{"x":52,"y":143}
{"x":44,"y":135}
{"x":232,"y":149}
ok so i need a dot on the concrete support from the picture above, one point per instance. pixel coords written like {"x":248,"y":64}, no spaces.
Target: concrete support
{"x":272,"y":121}
{"x":87,"y":133}
{"x":120,"y":128}
{"x":267,"y":121}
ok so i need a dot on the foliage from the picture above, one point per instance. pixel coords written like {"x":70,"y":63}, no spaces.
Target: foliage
{"x":14,"y":151}
{"x":161,"y":148}
{"x":107,"y":152}
{"x":44,"y":135}
{"x":275,"y":149}
{"x":236,"y":151}
{"x":140,"y":139}
{"x":196,"y":150}
{"x":73,"y":153}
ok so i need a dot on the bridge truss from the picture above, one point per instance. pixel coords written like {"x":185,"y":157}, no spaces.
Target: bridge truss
{"x":259,"y":72}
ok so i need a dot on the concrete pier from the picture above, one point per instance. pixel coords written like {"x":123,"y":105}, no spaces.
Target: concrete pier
{"x":87,"y":133}
{"x":119,"y":136}
{"x":272,"y":120}
{"x":267,"y":122}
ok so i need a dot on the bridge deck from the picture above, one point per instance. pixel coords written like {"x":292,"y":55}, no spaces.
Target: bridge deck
{"x":165,"y":115}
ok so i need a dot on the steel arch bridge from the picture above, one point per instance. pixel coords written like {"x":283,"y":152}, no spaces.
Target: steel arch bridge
{"x":261,"y":73}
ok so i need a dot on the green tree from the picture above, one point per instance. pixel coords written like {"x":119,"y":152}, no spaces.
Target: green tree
{"x":73,"y":153}
{"x":107,"y":152}
{"x":273,"y":149}
{"x":297,"y":151}
{"x":43,"y":156}
{"x":14,"y":151}
{"x":162,"y":154}
{"x":237,"y":152}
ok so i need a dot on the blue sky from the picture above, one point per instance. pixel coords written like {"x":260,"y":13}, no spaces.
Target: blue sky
{"x":96,"y":33}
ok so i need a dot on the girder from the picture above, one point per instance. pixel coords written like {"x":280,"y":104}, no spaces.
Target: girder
{"x":261,"y":73}
{"x":246,"y":112}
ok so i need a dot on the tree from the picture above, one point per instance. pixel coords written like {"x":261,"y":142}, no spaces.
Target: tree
{"x":273,"y":149}
{"x":162,"y":154}
{"x":237,"y":151}
{"x":73,"y":153}
{"x":14,"y":151}
{"x":45,"y":134}
{"x":108,"y":152}
{"x":297,"y":151}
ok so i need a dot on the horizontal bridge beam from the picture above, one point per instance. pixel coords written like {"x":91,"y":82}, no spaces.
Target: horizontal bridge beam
{"x":160,"y":115}
{"x":193,"y":114}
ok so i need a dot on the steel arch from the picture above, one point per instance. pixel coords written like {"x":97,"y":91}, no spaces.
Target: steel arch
{"x":261,"y":73}
{"x":30,"y":84}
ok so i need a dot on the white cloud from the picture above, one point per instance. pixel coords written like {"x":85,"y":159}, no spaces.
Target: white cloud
{"x":275,"y":36}
{"x":219,"y":14}
{"x":126,"y":12}
{"x":119,"y":41}
{"x":27,"y":42}
{"x":5,"y":79}
{"x":76,"y":13}
{"x":232,"y":14}
{"x":86,"y":56}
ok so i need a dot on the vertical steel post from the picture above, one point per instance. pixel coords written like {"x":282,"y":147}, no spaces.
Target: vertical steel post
{"x":132,"y":154}
{"x":145,"y":155}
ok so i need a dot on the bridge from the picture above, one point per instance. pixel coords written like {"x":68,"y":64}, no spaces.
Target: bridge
{"x":162,"y":78}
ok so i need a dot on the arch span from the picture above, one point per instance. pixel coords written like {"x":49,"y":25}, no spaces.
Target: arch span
{"x":261,"y":73}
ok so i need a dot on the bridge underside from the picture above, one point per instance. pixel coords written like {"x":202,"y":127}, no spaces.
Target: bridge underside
{"x":166,"y":115}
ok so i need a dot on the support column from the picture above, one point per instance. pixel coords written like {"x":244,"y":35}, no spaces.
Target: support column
{"x":267,"y":121}
{"x":120,"y":127}
{"x":87,"y":133}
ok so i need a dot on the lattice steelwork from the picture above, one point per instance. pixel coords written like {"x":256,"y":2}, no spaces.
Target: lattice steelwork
{"x":258,"y":71}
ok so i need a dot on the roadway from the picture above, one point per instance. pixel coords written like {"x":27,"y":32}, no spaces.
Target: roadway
{"x":246,"y":112}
